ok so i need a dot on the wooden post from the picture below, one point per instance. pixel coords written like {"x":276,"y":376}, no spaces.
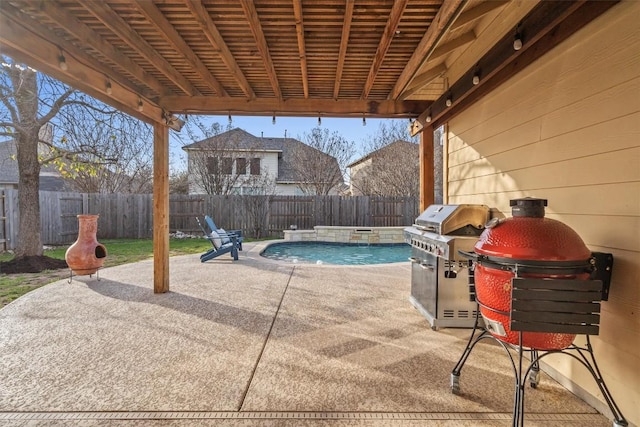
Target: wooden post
{"x":426,"y":168}
{"x":160,"y":208}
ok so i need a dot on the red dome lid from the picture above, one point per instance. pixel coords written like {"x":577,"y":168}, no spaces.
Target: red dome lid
{"x":530,"y":236}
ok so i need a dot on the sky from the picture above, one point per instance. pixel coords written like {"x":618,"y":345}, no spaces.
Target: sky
{"x":351,"y":129}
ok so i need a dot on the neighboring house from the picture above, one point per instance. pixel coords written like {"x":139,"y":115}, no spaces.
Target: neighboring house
{"x":393,"y":170}
{"x":50,"y":178}
{"x":237,"y":162}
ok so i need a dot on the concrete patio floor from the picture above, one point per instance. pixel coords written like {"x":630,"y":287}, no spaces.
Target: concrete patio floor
{"x":251,"y":343}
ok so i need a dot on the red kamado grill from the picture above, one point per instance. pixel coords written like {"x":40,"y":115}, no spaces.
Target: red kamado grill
{"x":528,"y":246}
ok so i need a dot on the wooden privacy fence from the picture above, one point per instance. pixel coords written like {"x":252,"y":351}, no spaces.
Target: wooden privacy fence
{"x":131,"y":215}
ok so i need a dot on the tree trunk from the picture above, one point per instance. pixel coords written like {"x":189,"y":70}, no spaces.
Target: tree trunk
{"x":30,"y":241}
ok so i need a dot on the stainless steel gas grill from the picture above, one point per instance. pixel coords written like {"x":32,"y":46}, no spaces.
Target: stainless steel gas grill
{"x":440,"y":287}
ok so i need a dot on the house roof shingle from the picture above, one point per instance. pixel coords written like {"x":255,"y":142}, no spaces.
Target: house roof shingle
{"x":396,"y":145}
{"x":50,"y":179}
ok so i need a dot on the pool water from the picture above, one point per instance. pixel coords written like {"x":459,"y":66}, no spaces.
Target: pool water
{"x":337,"y":253}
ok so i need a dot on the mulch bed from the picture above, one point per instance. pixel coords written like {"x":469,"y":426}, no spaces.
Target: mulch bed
{"x":31,"y":264}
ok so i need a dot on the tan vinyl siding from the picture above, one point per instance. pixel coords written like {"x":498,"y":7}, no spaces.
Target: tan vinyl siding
{"x":568,"y":129}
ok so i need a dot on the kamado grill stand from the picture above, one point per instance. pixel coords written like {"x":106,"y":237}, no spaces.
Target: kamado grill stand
{"x":537,"y":286}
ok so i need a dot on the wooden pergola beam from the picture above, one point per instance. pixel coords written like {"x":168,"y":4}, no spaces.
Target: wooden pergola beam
{"x":103,"y":13}
{"x":24,"y":46}
{"x":446,"y":15}
{"x":258,"y":34}
{"x":160,"y":208}
{"x":385,"y":42}
{"x":93,"y":40}
{"x":427,"y":177}
{"x":344,"y":43}
{"x":171,"y":36}
{"x":293,"y":107}
{"x":302,"y":50}
{"x":546,"y":26}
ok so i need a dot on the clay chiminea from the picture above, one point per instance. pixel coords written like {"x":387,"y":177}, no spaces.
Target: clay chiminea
{"x":86,"y":255}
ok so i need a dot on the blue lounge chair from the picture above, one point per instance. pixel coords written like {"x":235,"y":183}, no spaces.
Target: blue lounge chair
{"x":222,"y":241}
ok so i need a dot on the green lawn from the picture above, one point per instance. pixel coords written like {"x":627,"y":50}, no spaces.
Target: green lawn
{"x":119,"y":252}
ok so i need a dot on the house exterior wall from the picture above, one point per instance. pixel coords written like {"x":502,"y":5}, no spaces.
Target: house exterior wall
{"x":245,"y":183}
{"x":567,"y":129}
{"x":358,"y":173}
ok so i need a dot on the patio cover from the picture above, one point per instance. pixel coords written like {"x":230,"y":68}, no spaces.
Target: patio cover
{"x":158,"y":59}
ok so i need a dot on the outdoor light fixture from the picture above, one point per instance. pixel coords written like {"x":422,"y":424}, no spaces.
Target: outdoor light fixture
{"x":448,"y":101}
{"x":140,"y":104}
{"x":428,"y":118}
{"x":476,"y":79}
{"x":273,"y":120}
{"x":62,"y":61}
{"x":173,"y":121}
{"x":108,"y":89}
{"x":517,"y":40}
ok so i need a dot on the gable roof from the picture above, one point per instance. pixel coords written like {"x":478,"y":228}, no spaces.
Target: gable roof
{"x":396,"y":145}
{"x":240,"y":140}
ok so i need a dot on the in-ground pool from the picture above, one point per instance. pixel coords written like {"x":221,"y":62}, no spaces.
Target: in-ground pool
{"x":337,"y":253}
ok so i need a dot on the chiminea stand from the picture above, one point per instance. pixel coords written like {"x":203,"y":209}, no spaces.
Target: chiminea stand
{"x":569,"y":306}
{"x":70,"y":279}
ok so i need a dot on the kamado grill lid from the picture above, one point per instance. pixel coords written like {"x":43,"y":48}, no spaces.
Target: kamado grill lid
{"x":531,"y":236}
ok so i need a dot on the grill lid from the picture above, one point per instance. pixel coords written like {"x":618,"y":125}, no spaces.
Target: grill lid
{"x":456,"y":220}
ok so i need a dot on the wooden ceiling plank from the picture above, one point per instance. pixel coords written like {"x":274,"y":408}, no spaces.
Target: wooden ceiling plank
{"x":215,"y":38}
{"x":385,"y":42}
{"x":115,"y":23}
{"x":293,"y":107}
{"x":256,"y":28}
{"x":447,"y":14}
{"x":424,"y":79}
{"x":477,"y":12}
{"x":164,"y":27}
{"x":23,"y":45}
{"x":82,"y":32}
{"x":344,"y":43}
{"x":302,"y":51}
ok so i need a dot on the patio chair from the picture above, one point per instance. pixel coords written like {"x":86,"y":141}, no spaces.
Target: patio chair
{"x":223,"y":242}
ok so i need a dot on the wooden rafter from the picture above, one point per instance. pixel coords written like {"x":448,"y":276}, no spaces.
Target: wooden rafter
{"x":256,"y":28}
{"x":115,"y":23}
{"x":446,"y":15}
{"x":389,"y":32}
{"x":477,"y":12}
{"x":82,"y":32}
{"x":344,"y":42}
{"x":451,"y":45}
{"x":302,"y":50}
{"x":215,"y":38}
{"x":19,"y":43}
{"x":171,"y":36}
{"x":292,"y":107}
{"x":424,"y":79}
